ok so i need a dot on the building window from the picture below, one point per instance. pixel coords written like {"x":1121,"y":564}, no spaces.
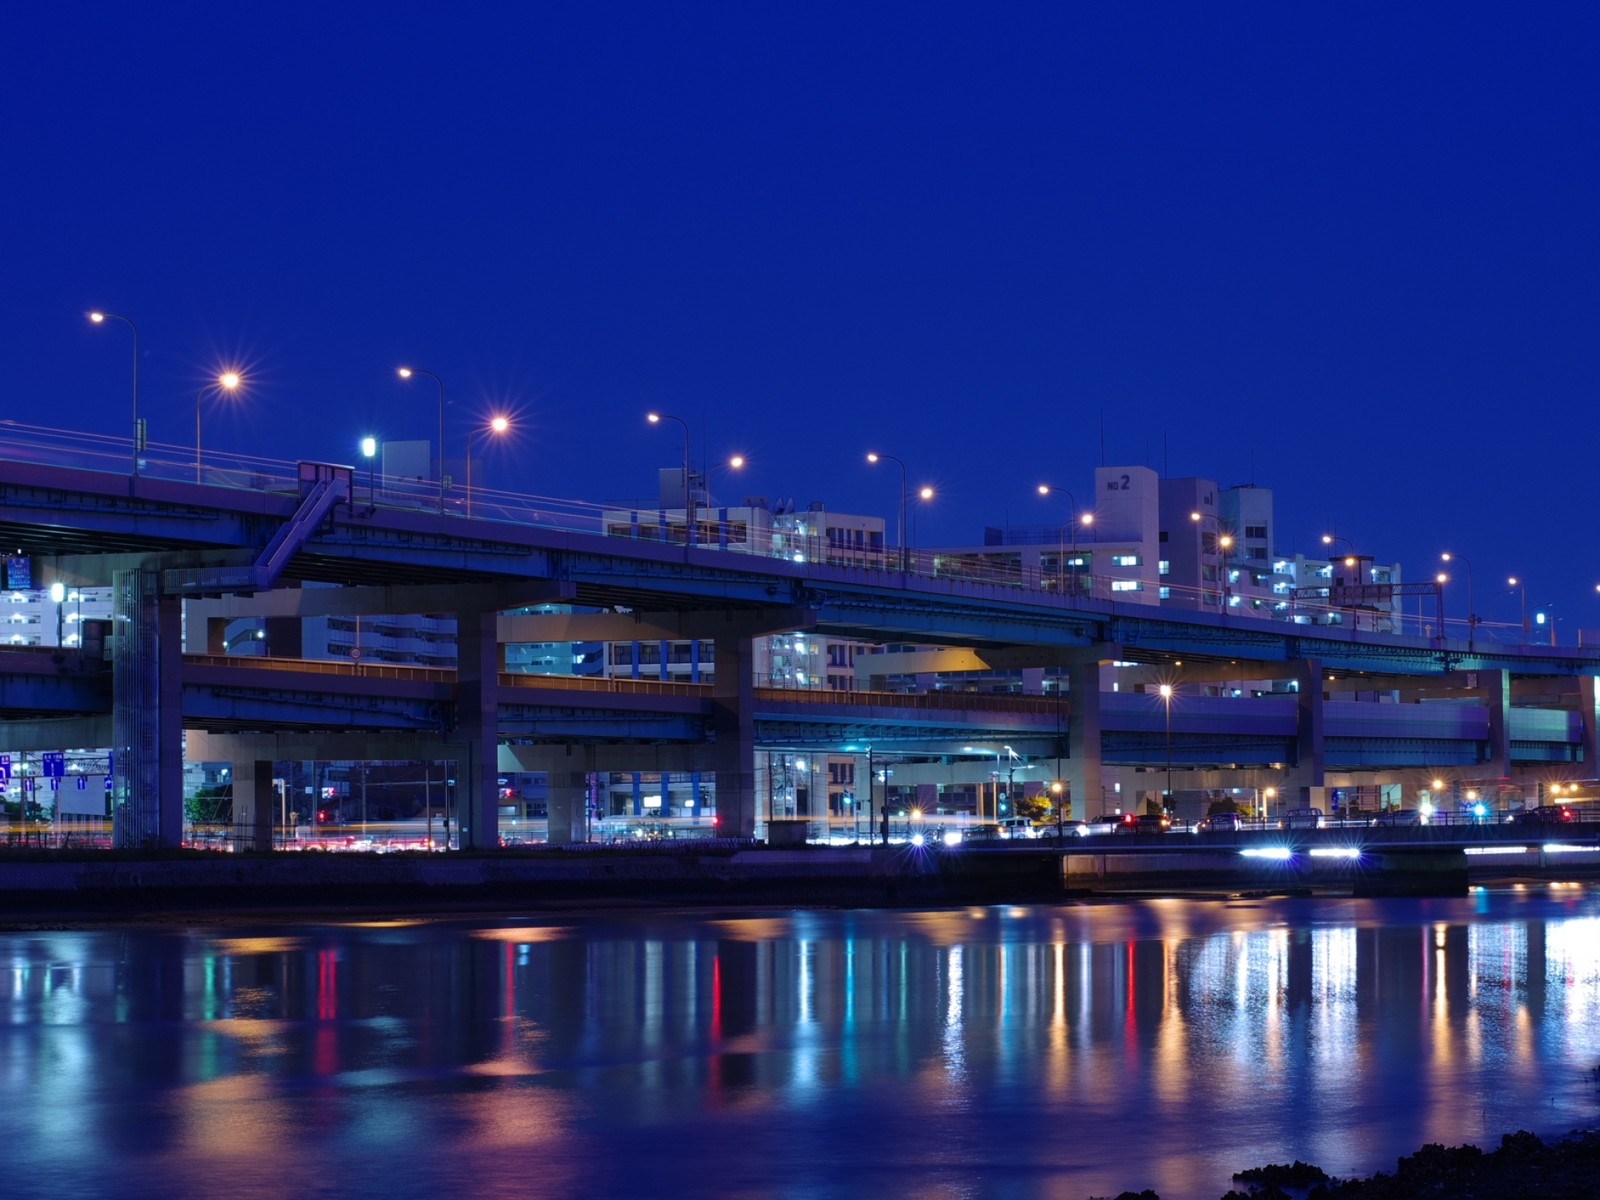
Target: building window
{"x":1126,"y":585}
{"x":1125,"y":560}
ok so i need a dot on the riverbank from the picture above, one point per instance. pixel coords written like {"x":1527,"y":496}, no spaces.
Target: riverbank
{"x":1523,"y":1167}
{"x":36,"y":884}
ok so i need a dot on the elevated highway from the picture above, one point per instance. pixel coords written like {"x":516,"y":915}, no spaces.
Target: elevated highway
{"x":308,"y":540}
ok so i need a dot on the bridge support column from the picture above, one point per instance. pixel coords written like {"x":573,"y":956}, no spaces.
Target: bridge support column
{"x":1084,"y":776}
{"x":567,"y":806}
{"x":1306,"y":782}
{"x":1589,"y":717}
{"x":146,"y":713}
{"x":733,"y":755}
{"x":255,"y":804}
{"x":478,"y":727}
{"x":1496,"y":687}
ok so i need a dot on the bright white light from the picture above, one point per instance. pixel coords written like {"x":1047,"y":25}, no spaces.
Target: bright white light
{"x":952,"y":837}
{"x":1277,"y":853}
{"x":1496,"y":850}
{"x":1336,"y":852}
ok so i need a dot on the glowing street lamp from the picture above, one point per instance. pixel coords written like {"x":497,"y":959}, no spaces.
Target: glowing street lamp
{"x":369,"y":451}
{"x":1472,"y":616}
{"x":1224,"y":543}
{"x":688,"y":483}
{"x":1076,"y":519}
{"x":496,"y":425}
{"x":407,"y":373}
{"x":99,"y":317}
{"x":228,"y":382}
{"x":1166,"y":699}
{"x":1522,"y":586}
{"x":903,"y":530}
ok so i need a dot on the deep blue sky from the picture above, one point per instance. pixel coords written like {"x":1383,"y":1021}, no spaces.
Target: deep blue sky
{"x":1349,"y":251}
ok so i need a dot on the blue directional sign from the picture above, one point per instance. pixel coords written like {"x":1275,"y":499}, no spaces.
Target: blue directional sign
{"x":5,"y":770}
{"x":53,"y":764}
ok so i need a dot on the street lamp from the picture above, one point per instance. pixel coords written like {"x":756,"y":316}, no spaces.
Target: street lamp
{"x":496,"y":425}
{"x":1472,"y":616}
{"x":1076,"y":519}
{"x":903,"y":528}
{"x":227,"y":382}
{"x":407,"y":373}
{"x":138,"y":430}
{"x":1224,"y":542}
{"x":1522,"y":586}
{"x":369,"y":451}
{"x":1166,"y":699}
{"x":688,"y":483}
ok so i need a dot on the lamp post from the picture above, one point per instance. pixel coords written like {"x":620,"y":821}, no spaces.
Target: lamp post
{"x":407,"y":373}
{"x":1472,"y":616}
{"x":369,"y":451}
{"x":688,"y":483}
{"x":228,"y":382}
{"x":496,"y":425}
{"x":1522,"y":586}
{"x":900,"y":529}
{"x":1166,"y":699}
{"x":1076,"y":519}
{"x":1224,"y":541}
{"x":98,"y":318}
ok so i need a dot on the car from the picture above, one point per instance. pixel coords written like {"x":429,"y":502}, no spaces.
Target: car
{"x":1016,"y":827}
{"x":1545,"y":814}
{"x":1399,"y":816}
{"x":1069,"y":829}
{"x":1104,"y":823}
{"x":987,"y":832}
{"x":1301,"y":818}
{"x":1144,"y":823}
{"x":1222,"y":822}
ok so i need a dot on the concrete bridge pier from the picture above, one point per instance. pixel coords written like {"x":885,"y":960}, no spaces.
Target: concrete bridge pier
{"x":1305,"y":782}
{"x":1085,"y":776}
{"x":146,"y":712}
{"x":478,"y":662}
{"x":733,"y":755}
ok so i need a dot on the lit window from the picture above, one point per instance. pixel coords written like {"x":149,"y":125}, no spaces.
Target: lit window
{"x":1126,"y":585}
{"x":1125,"y":560}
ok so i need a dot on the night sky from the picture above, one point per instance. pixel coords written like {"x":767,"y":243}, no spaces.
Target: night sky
{"x":1349,"y":252}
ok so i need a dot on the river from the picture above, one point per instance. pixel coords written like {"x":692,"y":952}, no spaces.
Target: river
{"x":1066,"y":1051}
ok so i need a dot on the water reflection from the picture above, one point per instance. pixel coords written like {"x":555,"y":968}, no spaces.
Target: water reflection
{"x":1055,"y":1052}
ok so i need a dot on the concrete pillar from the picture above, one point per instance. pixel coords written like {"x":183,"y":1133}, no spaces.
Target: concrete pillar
{"x":734,"y":752}
{"x":1496,"y":686}
{"x":1085,"y":779}
{"x":1305,"y":782}
{"x":169,"y":720}
{"x":567,"y":806}
{"x":1589,"y":717}
{"x":255,"y":804}
{"x":478,"y":728}
{"x":146,"y":713}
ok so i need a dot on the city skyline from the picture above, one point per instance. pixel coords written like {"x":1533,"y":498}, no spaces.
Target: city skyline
{"x":1345,"y":256}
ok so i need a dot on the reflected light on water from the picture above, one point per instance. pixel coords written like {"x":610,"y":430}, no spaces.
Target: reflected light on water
{"x":816,"y":1053}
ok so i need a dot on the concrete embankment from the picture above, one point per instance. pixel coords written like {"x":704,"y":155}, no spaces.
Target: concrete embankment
{"x":832,"y":876}
{"x":36,"y":885}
